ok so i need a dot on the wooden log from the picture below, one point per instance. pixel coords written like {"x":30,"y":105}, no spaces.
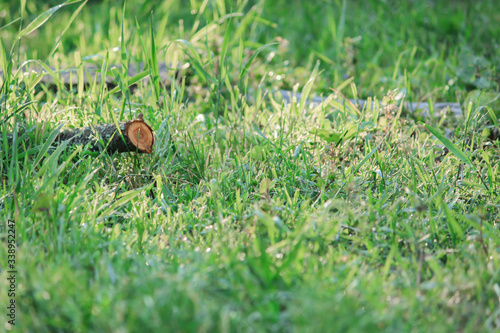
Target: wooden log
{"x":136,"y":136}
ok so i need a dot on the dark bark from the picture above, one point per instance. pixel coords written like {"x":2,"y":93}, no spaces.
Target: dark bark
{"x":137,"y":136}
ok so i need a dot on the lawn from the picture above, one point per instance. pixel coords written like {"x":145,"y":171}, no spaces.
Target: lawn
{"x":255,"y":211}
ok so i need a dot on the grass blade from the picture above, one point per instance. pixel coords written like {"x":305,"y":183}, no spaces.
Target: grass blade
{"x":133,"y":80}
{"x":307,"y":88}
{"x":249,"y":62}
{"x":155,"y":72}
{"x":39,"y":21}
{"x":73,"y":16}
{"x":367,"y":157}
{"x":451,"y":147}
{"x":46,"y":145}
{"x":196,"y":61}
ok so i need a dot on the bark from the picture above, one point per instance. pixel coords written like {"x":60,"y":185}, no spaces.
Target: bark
{"x":137,"y":136}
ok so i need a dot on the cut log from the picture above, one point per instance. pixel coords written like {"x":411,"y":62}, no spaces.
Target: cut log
{"x":133,"y":136}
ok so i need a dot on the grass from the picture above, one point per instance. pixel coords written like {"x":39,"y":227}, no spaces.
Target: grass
{"x":253,"y":214}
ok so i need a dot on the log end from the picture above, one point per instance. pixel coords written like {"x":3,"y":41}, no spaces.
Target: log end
{"x":140,"y":135}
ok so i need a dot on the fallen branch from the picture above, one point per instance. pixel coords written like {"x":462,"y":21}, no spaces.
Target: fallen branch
{"x":133,"y":136}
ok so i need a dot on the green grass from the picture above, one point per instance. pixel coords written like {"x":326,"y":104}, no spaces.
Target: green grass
{"x":251,"y":214}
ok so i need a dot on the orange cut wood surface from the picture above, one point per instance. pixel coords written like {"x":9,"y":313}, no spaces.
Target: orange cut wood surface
{"x":141,"y":135}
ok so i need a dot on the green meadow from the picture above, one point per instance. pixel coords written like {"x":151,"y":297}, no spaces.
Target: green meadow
{"x":256,"y":211}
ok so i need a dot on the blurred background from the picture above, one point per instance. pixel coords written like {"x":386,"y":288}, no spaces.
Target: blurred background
{"x":378,"y":45}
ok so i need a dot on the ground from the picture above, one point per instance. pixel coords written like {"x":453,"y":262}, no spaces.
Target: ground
{"x":252,"y":214}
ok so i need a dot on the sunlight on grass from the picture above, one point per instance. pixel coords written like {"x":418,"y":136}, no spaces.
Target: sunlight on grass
{"x":290,"y":188}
